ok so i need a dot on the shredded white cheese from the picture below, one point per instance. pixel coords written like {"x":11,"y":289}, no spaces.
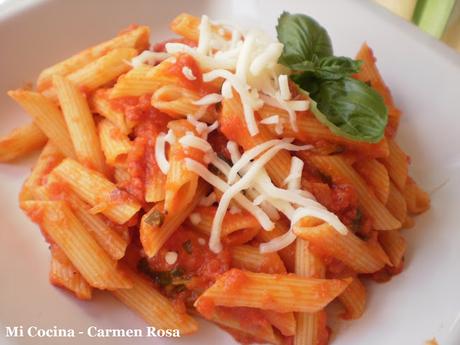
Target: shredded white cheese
{"x":234,"y":209}
{"x":283,"y":82}
{"x":171,"y":258}
{"x":195,"y":218}
{"x":212,"y":98}
{"x":271,"y":120}
{"x":191,"y":140}
{"x":208,"y":200}
{"x":188,"y":73}
{"x":148,"y":57}
{"x":160,"y":153}
{"x":295,"y":174}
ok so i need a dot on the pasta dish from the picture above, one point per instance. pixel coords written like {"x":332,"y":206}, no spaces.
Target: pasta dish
{"x":221,"y":174}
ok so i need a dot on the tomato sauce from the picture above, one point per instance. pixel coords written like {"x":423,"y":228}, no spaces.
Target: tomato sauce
{"x":199,"y":264}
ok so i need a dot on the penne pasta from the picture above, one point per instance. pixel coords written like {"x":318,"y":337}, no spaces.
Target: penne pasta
{"x":417,"y":200}
{"x":394,"y":245}
{"x":80,"y":124}
{"x":153,"y":307}
{"x":101,"y":104}
{"x":61,"y":225}
{"x":49,"y":158}
{"x":396,"y":203}
{"x":237,"y":228}
{"x":377,"y":177}
{"x":284,"y":322}
{"x":339,"y":170}
{"x":234,"y":128}
{"x":370,"y":74}
{"x":21,"y":141}
{"x":47,"y":117}
{"x":357,"y":254}
{"x":153,"y":236}
{"x":136,"y":37}
{"x":114,"y":143}
{"x":311,"y":327}
{"x":64,"y":274}
{"x":397,"y":164}
{"x":237,"y":288}
{"x":249,"y":258}
{"x":236,"y":320}
{"x":354,"y":299}
{"x":311,"y":131}
{"x":97,"y":191}
{"x":99,"y":72}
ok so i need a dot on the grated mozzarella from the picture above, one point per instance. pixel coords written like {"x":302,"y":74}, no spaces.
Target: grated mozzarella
{"x":160,"y":153}
{"x":205,"y":35}
{"x":242,"y":90}
{"x":266,"y":59}
{"x":191,"y":140}
{"x":278,"y":243}
{"x":283,"y":83}
{"x":188,"y":73}
{"x":271,"y":120}
{"x":195,"y":218}
{"x":208,"y":200}
{"x":171,"y":258}
{"x":234,"y":210}
{"x":227,"y":90}
{"x":321,"y":213}
{"x":295,"y":174}
{"x":244,"y":59}
{"x":235,"y":154}
{"x":212,"y":98}
{"x":205,"y":62}
{"x":148,"y":57}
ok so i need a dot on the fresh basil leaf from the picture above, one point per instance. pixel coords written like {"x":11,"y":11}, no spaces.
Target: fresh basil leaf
{"x":303,"y":39}
{"x":350,"y":108}
{"x":336,"y":67}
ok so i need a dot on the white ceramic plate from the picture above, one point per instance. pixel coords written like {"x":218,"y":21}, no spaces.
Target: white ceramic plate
{"x":421,"y":303}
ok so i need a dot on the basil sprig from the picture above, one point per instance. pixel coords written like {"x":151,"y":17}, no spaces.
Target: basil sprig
{"x":349,"y":107}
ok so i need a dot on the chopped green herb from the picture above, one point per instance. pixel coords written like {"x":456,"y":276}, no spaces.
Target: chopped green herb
{"x":177,"y":272}
{"x":325,"y":178}
{"x":180,"y":288}
{"x":356,"y":224}
{"x":162,"y":278}
{"x":156,"y":218}
{"x":188,"y":247}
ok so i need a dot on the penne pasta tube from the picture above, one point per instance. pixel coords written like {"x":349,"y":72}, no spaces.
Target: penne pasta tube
{"x":62,"y":226}
{"x":397,"y":164}
{"x":21,"y":141}
{"x":49,"y":158}
{"x":110,"y":239}
{"x":99,"y":72}
{"x":340,"y":171}
{"x":311,"y":131}
{"x":357,"y":254}
{"x":80,"y":124}
{"x":369,"y":73}
{"x":154,"y":235}
{"x":100,"y":103}
{"x":236,"y":320}
{"x":137,"y":37}
{"x":233,"y":125}
{"x":394,"y":244}
{"x":64,"y":274}
{"x":311,"y":327}
{"x":354,"y":299}
{"x":396,"y":203}
{"x":249,"y":258}
{"x":284,"y":322}
{"x":237,"y":228}
{"x":153,"y":307}
{"x":277,"y":292}
{"x":47,"y":117}
{"x":376,"y":176}
{"x":97,"y":191}
{"x":417,"y":200}
{"x":114,"y":143}
{"x":187,"y":26}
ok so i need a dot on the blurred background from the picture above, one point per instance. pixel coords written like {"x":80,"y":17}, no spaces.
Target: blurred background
{"x":438,"y":18}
